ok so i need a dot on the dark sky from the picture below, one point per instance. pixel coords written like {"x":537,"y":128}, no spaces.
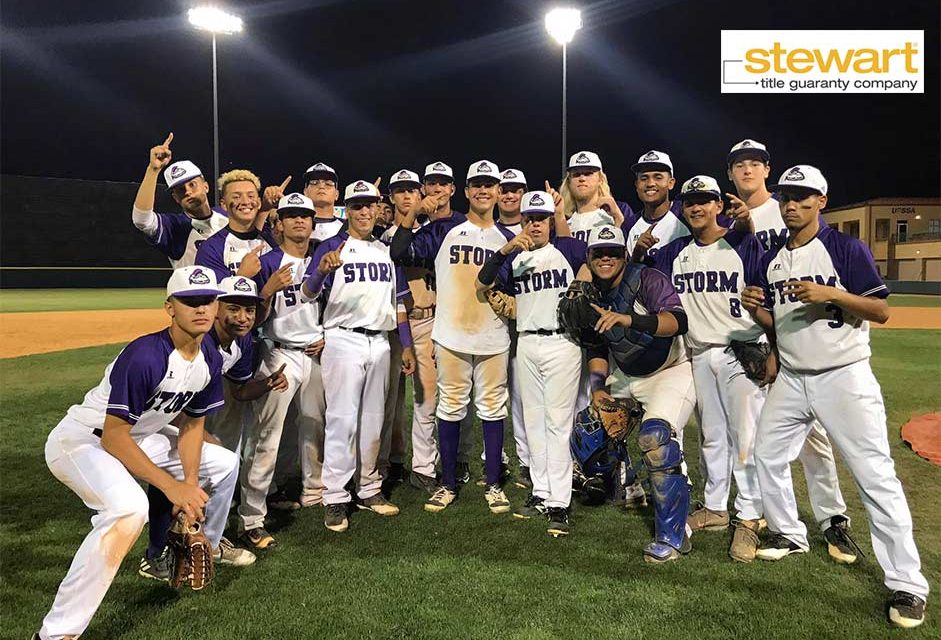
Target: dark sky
{"x":370,"y":86}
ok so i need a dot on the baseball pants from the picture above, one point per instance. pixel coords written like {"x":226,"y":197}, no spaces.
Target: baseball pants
{"x":668,"y":394}
{"x":848,"y":403}
{"x":356,"y":380}
{"x":516,"y":401}
{"x":425,"y":398}
{"x":392,"y":447}
{"x":76,"y":458}
{"x":548,"y":369}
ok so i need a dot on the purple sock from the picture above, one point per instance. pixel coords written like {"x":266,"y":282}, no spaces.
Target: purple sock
{"x":161,"y":515}
{"x":493,"y":449}
{"x":449,"y":432}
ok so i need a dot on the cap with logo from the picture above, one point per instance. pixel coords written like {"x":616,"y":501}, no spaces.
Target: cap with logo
{"x":537,"y":203}
{"x":699,"y":185}
{"x":404,"y":178}
{"x":180,"y":172}
{"x":320,"y":170}
{"x":803,"y":176}
{"x":483,"y":169}
{"x":605,"y":236}
{"x":585,"y":160}
{"x":360,"y":190}
{"x":238,"y":287}
{"x":512,"y":177}
{"x":748,"y":149}
{"x":296,"y":204}
{"x":440,"y":170}
{"x":192,"y":281}
{"x":651,"y":161}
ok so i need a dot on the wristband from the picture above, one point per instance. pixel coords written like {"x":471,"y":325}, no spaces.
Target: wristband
{"x":597,"y":381}
{"x":405,"y":334}
{"x":644,"y":322}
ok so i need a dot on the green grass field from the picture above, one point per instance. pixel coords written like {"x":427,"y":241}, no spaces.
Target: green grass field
{"x":464,"y":573}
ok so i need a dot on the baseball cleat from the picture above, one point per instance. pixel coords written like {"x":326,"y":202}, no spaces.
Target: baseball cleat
{"x":157,"y":568}
{"x":534,"y":506}
{"x":334,"y":517}
{"x":906,"y":610}
{"x":496,"y":499}
{"x":421,"y":481}
{"x":462,"y":474}
{"x":229,"y":554}
{"x":440,"y":499}
{"x":558,"y":518}
{"x":523,"y":480}
{"x":703,"y":519}
{"x":841,"y":547}
{"x":634,"y":496}
{"x":258,"y":538}
{"x":279,"y":501}
{"x":660,"y":553}
{"x":778,"y":547}
{"x":378,"y":504}
{"x":744,"y":541}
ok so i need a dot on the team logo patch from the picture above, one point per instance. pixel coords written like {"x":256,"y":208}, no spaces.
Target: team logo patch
{"x":746,"y":143}
{"x":536,"y":201}
{"x":483,"y":166}
{"x":606,"y":234}
{"x":582,"y":159}
{"x":509,"y":174}
{"x":242,"y":285}
{"x":439,"y":166}
{"x":198,"y":277}
{"x":320,"y":167}
{"x":295,"y":198}
{"x":794,"y":175}
{"x":177,"y":171}
{"x":402,"y":175}
{"x":696,"y":184}
{"x":776,"y":267}
{"x":650,"y":156}
{"x":360,"y":187}
{"x":685,"y":259}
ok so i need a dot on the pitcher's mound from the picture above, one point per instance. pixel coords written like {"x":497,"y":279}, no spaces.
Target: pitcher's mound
{"x":923,"y":435}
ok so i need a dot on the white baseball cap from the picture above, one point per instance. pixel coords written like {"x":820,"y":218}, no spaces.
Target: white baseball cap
{"x":361,"y":189}
{"x":180,"y":172}
{"x":320,"y":170}
{"x":296,"y":203}
{"x":537,"y":202}
{"x":439,"y":169}
{"x":193,"y":281}
{"x":238,"y":287}
{"x":585,"y":160}
{"x":513,"y":176}
{"x":652,"y":160}
{"x":605,"y":236}
{"x":483,"y":169}
{"x":746,"y":148}
{"x":699,"y":185}
{"x":404,"y":177}
{"x":802,"y":175}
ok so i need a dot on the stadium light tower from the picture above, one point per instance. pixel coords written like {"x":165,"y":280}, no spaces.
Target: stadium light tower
{"x":562,"y":23}
{"x":215,"y":21}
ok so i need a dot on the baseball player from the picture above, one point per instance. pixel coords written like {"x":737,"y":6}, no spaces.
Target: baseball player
{"x":512,"y":187}
{"x":363,"y":296}
{"x":641,"y":321}
{"x":587,"y":196}
{"x":321,"y":186}
{"x":176,"y":236}
{"x":294,"y":342}
{"x":120,"y":434}
{"x":538,"y":269}
{"x":816,"y":297}
{"x":661,"y":220}
{"x":471,"y":341}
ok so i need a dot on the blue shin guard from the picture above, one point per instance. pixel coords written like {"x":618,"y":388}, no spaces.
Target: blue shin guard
{"x":670,"y":491}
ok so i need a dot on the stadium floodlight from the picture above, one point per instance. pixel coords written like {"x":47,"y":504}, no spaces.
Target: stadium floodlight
{"x":562,"y":23}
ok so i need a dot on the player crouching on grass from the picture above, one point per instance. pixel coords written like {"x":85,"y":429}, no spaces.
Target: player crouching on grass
{"x":121,"y":433}
{"x":816,"y":296}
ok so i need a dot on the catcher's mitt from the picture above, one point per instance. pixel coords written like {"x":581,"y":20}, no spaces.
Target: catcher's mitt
{"x":619,"y":416}
{"x":504,"y":305}
{"x":190,"y":554}
{"x":577,"y":316}
{"x":753,"y":357}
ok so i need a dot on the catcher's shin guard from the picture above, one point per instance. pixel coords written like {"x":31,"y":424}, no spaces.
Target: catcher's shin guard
{"x":664,"y":460}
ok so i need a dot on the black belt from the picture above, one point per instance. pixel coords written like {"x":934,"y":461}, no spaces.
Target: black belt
{"x":368,"y":332}
{"x":544,"y":332}
{"x":97,"y":432}
{"x":281,"y":345}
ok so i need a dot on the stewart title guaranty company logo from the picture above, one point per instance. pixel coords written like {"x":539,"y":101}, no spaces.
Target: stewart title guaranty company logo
{"x":823,"y":61}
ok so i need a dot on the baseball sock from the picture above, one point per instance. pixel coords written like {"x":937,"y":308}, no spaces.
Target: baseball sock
{"x":493,"y":449}
{"x":161,"y":515}
{"x":449,"y":432}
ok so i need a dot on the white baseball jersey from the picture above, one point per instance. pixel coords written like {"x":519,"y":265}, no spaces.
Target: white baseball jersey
{"x":709,"y":280}
{"x":581,"y":223}
{"x":364,"y":291}
{"x":456,"y":249}
{"x":769,"y":225}
{"x":223,"y":252}
{"x":325,"y":228}
{"x":176,"y":235}
{"x":539,"y":278}
{"x":291,"y":320}
{"x":237,"y":358}
{"x":817,"y":337}
{"x":149,"y":383}
{"x":668,"y":228}
{"x":515,"y":229}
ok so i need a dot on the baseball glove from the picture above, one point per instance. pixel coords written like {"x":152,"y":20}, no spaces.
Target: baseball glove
{"x":619,"y":416}
{"x":504,"y":305}
{"x":753,"y":356}
{"x":191,"y":555}
{"x":576,"y":314}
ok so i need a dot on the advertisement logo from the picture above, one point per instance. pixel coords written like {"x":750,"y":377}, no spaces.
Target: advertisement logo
{"x":889,"y":61}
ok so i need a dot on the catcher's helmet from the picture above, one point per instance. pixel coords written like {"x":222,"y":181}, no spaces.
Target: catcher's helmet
{"x":592,"y":449}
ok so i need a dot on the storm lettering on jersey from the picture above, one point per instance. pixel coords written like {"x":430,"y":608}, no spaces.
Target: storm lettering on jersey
{"x":466,"y":254}
{"x":169,"y":401}
{"x":367,"y":272}
{"x":540,"y":281}
{"x":772,"y":238}
{"x":781,"y":297}
{"x":706,"y":282}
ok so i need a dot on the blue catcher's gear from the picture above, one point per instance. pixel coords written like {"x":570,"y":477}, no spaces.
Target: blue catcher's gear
{"x":596,"y":456}
{"x":663,"y":458}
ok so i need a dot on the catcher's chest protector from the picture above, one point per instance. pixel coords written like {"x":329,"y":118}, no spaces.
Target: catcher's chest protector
{"x":626,"y":345}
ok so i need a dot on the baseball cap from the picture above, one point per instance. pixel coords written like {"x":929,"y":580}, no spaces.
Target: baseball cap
{"x":483,"y":169}
{"x":180,"y":172}
{"x":296,"y":203}
{"x":537,"y":203}
{"x":440,"y":170}
{"x":513,"y":176}
{"x":192,"y":281}
{"x":361,"y":189}
{"x":585,"y":160}
{"x":652,"y":160}
{"x":748,"y":148}
{"x":804,"y":176}
{"x":320,"y":170}
{"x":238,"y":287}
{"x":701,"y":185}
{"x":404,"y":177}
{"x":605,"y":236}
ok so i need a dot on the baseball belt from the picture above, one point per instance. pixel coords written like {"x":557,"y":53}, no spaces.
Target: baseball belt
{"x":421,"y":313}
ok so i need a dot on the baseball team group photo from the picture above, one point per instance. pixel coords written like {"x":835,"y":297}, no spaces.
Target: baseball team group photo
{"x":406,"y":377}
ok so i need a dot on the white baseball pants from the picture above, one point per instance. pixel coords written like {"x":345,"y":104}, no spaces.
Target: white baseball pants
{"x":424,"y":398}
{"x":516,"y":402}
{"x":668,"y":394}
{"x":460,"y":373}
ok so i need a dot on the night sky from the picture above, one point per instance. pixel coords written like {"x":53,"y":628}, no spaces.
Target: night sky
{"x":372,"y":86}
